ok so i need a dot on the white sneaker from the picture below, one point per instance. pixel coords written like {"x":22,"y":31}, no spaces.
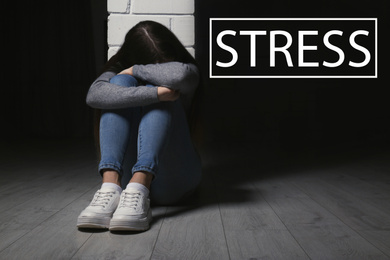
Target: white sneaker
{"x":133,"y":212}
{"x":99,"y":212}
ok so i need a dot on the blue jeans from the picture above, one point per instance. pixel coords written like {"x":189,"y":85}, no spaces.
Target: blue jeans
{"x":153,"y":138}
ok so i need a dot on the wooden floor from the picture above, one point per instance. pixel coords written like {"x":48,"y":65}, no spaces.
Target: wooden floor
{"x":303,"y":206}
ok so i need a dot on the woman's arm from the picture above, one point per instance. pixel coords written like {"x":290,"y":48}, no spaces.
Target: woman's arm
{"x":175,"y":75}
{"x":105,"y":95}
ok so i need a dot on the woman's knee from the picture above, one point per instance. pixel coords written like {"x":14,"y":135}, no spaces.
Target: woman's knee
{"x":124,"y":80}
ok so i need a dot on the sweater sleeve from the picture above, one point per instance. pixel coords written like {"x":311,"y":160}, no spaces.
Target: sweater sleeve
{"x":105,"y":95}
{"x":175,"y":75}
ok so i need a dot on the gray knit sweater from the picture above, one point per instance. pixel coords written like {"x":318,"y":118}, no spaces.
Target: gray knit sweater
{"x":174,"y":75}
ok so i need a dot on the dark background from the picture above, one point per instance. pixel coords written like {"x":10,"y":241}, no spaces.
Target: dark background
{"x":289,"y":115}
{"x":48,"y":55}
{"x":53,"y":50}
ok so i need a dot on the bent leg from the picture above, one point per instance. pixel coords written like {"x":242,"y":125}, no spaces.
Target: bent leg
{"x":165,"y":149}
{"x":117,"y":130}
{"x":154,"y":132}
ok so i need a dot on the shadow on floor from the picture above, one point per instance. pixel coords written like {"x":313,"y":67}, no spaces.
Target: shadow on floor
{"x":231,"y":170}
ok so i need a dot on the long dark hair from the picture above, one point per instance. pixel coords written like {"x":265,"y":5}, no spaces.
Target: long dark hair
{"x":150,"y":42}
{"x":146,"y":43}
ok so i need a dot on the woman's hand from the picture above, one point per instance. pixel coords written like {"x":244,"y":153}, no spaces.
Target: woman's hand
{"x":128,"y":71}
{"x":167,"y":94}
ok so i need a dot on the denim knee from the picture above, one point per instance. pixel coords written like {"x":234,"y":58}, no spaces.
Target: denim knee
{"x":124,"y":80}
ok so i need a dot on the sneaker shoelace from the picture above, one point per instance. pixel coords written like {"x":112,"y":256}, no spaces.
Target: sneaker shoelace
{"x":130,"y":199}
{"x":101,"y":199}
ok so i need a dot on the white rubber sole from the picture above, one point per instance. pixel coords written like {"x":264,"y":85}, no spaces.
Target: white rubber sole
{"x":101,"y":223}
{"x":131,"y":224}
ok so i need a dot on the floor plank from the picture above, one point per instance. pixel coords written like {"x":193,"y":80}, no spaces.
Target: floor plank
{"x":34,"y":201}
{"x":321,"y":234}
{"x":193,"y":231}
{"x":192,"y":234}
{"x":252,"y":228}
{"x":361,"y":216}
{"x":55,"y":238}
{"x":20,"y":192}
